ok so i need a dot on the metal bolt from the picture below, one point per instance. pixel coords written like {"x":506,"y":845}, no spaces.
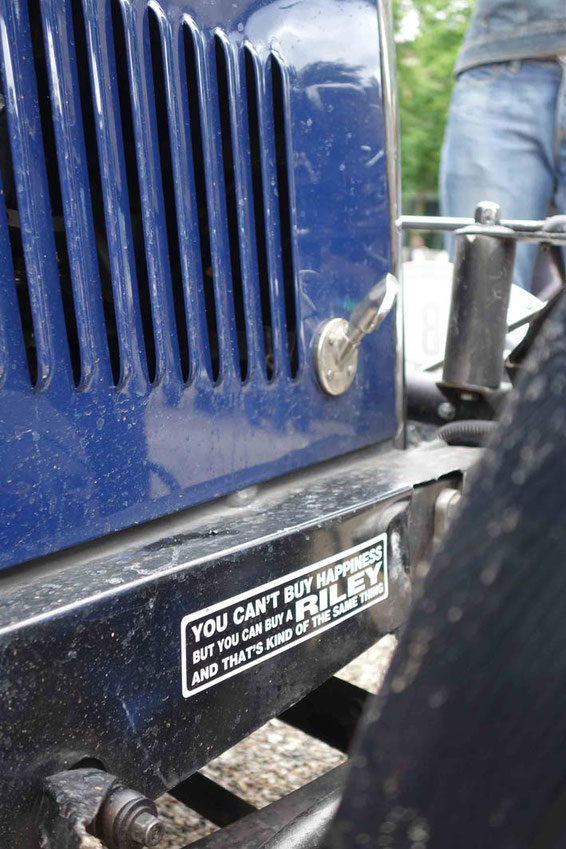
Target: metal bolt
{"x":488,"y":213}
{"x":350,"y":370}
{"x":446,"y":411}
{"x":330,"y":374}
{"x":331,"y":338}
{"x":127,"y":820}
{"x":146,"y":829}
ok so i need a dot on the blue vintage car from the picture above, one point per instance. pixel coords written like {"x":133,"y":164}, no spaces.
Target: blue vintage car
{"x":206,"y":508}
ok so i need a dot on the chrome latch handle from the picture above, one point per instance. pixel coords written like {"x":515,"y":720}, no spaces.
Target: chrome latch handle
{"x":337,"y":341}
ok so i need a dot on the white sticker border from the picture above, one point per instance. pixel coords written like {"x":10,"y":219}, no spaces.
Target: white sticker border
{"x":327,"y":561}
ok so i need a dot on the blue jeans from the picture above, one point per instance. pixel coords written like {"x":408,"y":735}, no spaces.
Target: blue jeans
{"x":505,"y":141}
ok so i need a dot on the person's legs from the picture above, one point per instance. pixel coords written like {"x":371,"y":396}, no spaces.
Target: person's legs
{"x":500,"y":145}
{"x":560,"y":143}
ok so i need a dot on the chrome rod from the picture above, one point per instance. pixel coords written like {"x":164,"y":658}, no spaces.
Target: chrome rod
{"x":438,"y":223}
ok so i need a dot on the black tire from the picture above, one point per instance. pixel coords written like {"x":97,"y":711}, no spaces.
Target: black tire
{"x":465,"y":747}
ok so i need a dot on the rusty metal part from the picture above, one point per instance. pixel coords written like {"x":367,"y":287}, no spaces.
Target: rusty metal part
{"x":127,"y":820}
{"x":82,"y":804}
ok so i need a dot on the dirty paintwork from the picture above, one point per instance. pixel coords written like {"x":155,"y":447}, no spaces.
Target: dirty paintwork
{"x":81,"y":462}
{"x":93,"y":636}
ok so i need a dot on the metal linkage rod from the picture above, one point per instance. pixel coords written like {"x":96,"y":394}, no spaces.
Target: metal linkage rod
{"x":211,"y":800}
{"x":330,"y":713}
{"x":445,"y":224}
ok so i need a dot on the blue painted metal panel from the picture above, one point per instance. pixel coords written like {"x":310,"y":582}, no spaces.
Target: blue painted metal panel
{"x":81,"y":461}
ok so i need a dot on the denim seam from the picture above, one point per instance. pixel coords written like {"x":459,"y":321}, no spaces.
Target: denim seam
{"x":559,"y":113}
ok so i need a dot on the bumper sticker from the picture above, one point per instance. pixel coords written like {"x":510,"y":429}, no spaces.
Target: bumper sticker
{"x":224,"y":639}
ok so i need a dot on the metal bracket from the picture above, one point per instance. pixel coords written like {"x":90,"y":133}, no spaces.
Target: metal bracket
{"x":80,"y":805}
{"x":338,"y":340}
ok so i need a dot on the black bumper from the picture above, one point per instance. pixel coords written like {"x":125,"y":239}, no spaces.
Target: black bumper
{"x":90,"y":640}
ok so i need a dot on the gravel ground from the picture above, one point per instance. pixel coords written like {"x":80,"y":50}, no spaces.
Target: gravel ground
{"x":274,"y":760}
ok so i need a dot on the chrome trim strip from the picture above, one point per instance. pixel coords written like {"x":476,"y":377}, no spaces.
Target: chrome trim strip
{"x":393,"y":164}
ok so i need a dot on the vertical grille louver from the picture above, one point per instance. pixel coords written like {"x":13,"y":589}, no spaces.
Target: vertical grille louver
{"x":54,"y":190}
{"x":94,"y":179}
{"x":167,"y":181}
{"x":123,"y":287}
{"x":133,"y":185}
{"x":283,"y":188}
{"x":12,"y":255}
{"x":252,"y":72}
{"x":232,"y":220}
{"x":192,"y":75}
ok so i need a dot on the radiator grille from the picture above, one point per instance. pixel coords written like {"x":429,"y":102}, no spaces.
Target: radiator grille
{"x":142,"y":279}
{"x":188,"y":191}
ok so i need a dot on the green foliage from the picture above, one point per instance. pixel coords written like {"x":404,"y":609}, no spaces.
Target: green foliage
{"x":428,"y":35}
